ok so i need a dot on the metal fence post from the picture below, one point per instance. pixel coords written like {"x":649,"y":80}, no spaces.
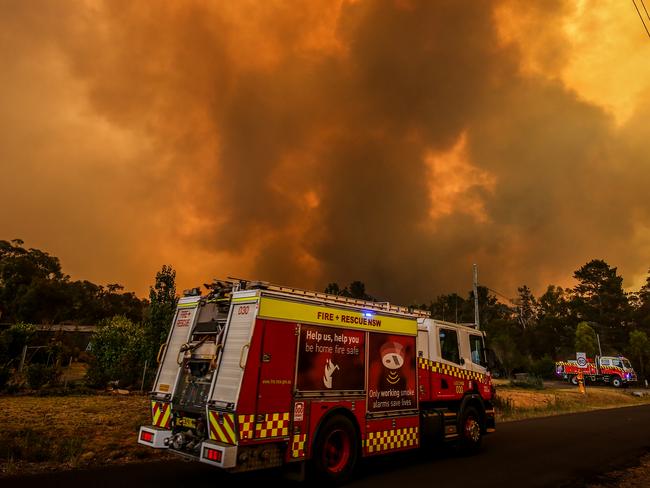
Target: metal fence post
{"x":22,"y":358}
{"x":144,"y":373}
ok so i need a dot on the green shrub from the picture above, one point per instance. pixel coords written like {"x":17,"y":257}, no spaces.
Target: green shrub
{"x":39,"y":375}
{"x":543,"y":368}
{"x":12,"y":341}
{"x":12,"y":388}
{"x":118,"y":352}
{"x":5,"y":374}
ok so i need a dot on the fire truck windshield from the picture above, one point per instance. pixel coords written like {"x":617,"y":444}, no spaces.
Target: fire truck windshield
{"x":627,"y":364}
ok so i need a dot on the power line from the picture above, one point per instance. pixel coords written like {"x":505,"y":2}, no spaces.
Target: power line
{"x":518,"y":307}
{"x":501,"y":295}
{"x":646,"y":10}
{"x":641,"y":17}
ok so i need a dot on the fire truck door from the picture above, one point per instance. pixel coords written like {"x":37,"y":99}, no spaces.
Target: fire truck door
{"x":277,"y":368}
{"x":180,"y":333}
{"x":424,"y":377}
{"x":447,"y":384}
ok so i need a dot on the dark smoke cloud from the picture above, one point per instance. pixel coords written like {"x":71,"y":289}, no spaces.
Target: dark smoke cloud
{"x":294,"y":143}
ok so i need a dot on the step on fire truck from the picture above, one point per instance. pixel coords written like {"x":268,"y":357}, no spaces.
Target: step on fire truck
{"x":255,"y":375}
{"x":614,"y":370}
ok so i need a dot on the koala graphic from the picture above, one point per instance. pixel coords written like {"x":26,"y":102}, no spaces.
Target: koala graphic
{"x":392,"y":358}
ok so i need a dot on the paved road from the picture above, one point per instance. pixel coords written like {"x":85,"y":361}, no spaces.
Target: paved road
{"x":561,"y":451}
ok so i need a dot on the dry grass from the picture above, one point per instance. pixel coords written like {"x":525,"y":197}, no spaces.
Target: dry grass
{"x":635,"y":477}
{"x":523,"y":403}
{"x":46,"y":433}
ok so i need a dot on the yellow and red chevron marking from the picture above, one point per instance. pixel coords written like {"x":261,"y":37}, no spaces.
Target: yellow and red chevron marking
{"x":565,"y":363}
{"x":246,"y":423}
{"x":569,"y":367}
{"x":222,"y":427}
{"x":387,"y":440}
{"x":573,"y":368}
{"x":161,"y":414}
{"x":273,"y":425}
{"x":455,"y":371}
{"x":298,"y":445}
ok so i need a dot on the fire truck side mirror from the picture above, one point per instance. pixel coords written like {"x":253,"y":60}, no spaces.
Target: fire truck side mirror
{"x":491,"y":360}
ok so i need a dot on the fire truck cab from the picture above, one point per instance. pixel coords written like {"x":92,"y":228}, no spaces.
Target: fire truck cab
{"x":255,"y":375}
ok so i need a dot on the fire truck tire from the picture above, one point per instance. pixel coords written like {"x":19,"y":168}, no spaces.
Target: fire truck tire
{"x":616,"y":381}
{"x":574,"y":380}
{"x":470,"y":431}
{"x":335,"y":451}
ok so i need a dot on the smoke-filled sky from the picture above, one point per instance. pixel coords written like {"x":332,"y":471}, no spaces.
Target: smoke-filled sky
{"x":394,"y":142}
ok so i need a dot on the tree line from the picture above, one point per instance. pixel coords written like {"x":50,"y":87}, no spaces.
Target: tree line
{"x":35,"y":291}
{"x":527,"y":333}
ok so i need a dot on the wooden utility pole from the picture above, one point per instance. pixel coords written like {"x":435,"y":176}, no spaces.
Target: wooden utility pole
{"x":476,"y":297}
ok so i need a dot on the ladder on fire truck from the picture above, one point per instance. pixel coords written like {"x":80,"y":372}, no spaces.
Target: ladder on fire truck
{"x":241,"y":284}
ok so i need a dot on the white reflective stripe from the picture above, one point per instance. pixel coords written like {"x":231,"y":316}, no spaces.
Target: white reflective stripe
{"x":244,"y":299}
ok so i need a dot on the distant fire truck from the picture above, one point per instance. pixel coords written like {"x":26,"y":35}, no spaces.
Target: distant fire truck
{"x":614,"y":370}
{"x":255,"y":375}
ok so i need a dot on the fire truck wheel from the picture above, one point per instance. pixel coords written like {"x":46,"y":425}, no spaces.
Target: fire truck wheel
{"x":616,"y":382}
{"x":574,"y":380}
{"x":470,"y":431}
{"x":335,"y":450}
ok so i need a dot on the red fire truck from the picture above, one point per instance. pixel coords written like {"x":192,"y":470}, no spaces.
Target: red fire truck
{"x":614,"y":370}
{"x":256,"y":375}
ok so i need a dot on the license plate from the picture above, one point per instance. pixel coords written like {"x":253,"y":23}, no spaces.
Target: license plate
{"x":188,"y":422}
